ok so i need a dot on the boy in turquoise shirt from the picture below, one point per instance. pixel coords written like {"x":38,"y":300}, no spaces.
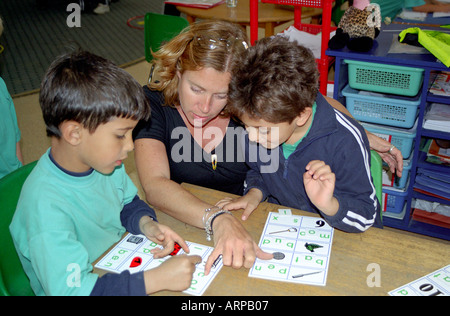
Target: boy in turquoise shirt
{"x":10,"y":154}
{"x":78,"y":201}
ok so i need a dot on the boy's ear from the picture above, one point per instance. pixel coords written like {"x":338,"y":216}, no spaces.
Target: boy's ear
{"x":71,"y":132}
{"x":304,"y":116}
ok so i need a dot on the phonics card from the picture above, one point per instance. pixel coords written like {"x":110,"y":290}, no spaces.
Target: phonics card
{"x":433,"y":284}
{"x":301,"y":246}
{"x":133,"y":253}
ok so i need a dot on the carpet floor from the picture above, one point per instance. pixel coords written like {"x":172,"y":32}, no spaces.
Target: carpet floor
{"x":34,"y":36}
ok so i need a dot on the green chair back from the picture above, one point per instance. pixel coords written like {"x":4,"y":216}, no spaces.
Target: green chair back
{"x":159,"y":28}
{"x":376,"y":169}
{"x":13,"y":280}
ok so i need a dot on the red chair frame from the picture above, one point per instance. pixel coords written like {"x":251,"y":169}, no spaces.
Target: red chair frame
{"x":324,"y":61}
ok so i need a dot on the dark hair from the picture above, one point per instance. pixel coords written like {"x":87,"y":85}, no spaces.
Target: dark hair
{"x":275,"y":81}
{"x":91,"y":90}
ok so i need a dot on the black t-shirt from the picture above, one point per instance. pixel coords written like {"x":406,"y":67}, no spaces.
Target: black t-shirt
{"x":188,"y":161}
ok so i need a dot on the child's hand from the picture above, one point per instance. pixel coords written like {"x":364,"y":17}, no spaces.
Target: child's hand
{"x":174,"y":274}
{"x":248,"y":202}
{"x":319,"y":182}
{"x":162,"y":235}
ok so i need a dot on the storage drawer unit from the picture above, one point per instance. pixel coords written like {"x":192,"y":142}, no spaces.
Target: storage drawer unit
{"x":382,"y":109}
{"x":384,"y":78}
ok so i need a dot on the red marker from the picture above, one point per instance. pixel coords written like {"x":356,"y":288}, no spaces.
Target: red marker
{"x":176,"y":249}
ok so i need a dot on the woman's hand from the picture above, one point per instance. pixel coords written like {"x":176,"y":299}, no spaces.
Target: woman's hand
{"x":249,"y":202}
{"x":389,"y":153}
{"x":235,"y":245}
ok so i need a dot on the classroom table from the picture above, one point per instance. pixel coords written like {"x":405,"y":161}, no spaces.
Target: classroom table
{"x":269,"y":17}
{"x":400,"y":257}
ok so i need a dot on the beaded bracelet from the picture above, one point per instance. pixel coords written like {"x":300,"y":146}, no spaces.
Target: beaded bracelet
{"x":208,"y":223}
{"x":205,"y":214}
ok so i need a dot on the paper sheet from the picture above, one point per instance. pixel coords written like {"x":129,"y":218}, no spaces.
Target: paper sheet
{"x":312,"y":41}
{"x":133,"y":253}
{"x":305,"y":247}
{"x":433,"y":284}
{"x":412,"y":15}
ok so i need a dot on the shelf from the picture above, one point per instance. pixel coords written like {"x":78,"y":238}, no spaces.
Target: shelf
{"x":435,"y":98}
{"x":380,"y":54}
{"x":422,"y":163}
{"x":418,"y":227}
{"x":422,"y":196}
{"x":429,"y":230}
{"x":435,"y":134}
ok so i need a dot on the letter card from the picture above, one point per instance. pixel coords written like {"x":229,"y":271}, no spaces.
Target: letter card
{"x":133,"y":253}
{"x":433,"y":284}
{"x":301,"y":246}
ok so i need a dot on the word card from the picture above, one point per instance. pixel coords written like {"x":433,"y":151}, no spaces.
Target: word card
{"x":133,"y":253}
{"x":301,"y":247}
{"x":433,"y":284}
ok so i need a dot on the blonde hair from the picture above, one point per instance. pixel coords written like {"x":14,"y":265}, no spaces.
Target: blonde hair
{"x":204,"y":44}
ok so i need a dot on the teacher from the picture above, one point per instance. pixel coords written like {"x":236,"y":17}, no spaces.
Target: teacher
{"x":189,"y":140}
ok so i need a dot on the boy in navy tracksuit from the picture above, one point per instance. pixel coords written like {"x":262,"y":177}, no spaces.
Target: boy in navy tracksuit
{"x":317,"y":159}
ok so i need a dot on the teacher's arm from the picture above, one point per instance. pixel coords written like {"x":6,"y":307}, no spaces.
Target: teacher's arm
{"x":160,"y":191}
{"x":231,"y":240}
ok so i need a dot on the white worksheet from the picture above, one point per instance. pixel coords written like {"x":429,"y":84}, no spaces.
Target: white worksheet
{"x":133,"y":253}
{"x":301,"y":246}
{"x":433,"y":284}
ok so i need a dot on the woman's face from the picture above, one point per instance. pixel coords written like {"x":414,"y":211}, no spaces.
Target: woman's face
{"x":203,"y":94}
